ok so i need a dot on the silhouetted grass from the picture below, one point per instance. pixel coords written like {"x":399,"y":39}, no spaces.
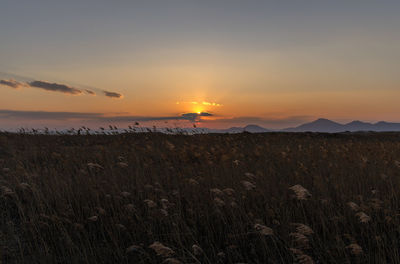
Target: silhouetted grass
{"x":213,"y":198}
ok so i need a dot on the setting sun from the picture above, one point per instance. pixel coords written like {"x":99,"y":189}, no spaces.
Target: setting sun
{"x":198,"y":110}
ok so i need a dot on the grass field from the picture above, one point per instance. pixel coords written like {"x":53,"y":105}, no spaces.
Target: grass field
{"x":216,"y":198}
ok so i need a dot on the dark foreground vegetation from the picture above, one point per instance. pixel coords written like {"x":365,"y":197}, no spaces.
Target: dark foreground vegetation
{"x":155,"y":198}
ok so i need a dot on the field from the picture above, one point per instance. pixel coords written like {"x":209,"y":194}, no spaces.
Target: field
{"x":216,"y":198}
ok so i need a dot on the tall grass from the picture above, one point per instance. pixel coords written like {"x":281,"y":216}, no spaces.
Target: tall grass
{"x":213,"y":198}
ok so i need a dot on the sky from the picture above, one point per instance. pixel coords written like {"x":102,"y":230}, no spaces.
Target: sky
{"x":214,"y":63}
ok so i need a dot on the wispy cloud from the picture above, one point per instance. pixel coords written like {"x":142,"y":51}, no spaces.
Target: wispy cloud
{"x":113,"y":94}
{"x":192,"y":117}
{"x":211,"y":104}
{"x":201,"y":103}
{"x":12,"y":83}
{"x":55,"y":87}
{"x":90,"y":92}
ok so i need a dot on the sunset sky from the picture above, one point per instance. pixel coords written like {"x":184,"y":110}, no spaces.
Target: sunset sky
{"x":218,"y":63}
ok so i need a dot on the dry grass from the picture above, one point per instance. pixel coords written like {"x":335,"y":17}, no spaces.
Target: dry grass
{"x":154,"y":198}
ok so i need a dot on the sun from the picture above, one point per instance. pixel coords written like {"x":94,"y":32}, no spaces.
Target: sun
{"x":198,"y":110}
{"x":198,"y":107}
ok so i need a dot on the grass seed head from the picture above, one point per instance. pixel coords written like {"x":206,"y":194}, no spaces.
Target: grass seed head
{"x":130,"y":208}
{"x":263,"y":230}
{"x":219,"y":202}
{"x":355,"y":249}
{"x":25,"y":186}
{"x":125,"y":194}
{"x":248,"y":185}
{"x":171,"y":261}
{"x":165,"y":203}
{"x":301,"y":257}
{"x":353,"y":206}
{"x":5,"y":191}
{"x":161,"y":250}
{"x":303,"y":229}
{"x":301,"y":193}
{"x":93,"y":218}
{"x":197,"y":250}
{"x":250,"y":176}
{"x":133,"y":249}
{"x":122,"y":164}
{"x":216,"y":192}
{"x":193,"y":182}
{"x":150,"y":203}
{"x":229,"y":191}
{"x":364,"y":218}
{"x":94,"y":166}
{"x":300,"y":239}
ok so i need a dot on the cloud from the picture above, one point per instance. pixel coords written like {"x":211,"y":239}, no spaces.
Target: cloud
{"x":55,"y":87}
{"x":12,"y":83}
{"x":194,"y":116}
{"x":17,"y":81}
{"x":90,"y":92}
{"x":211,"y":104}
{"x":113,"y":94}
{"x":201,"y":103}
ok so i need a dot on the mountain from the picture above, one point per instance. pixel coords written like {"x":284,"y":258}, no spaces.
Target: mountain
{"x":255,"y":129}
{"x":328,"y":126}
{"x":248,"y":128}
{"x":319,"y":125}
{"x":386,"y":126}
{"x":359,"y":126}
{"x":229,"y":130}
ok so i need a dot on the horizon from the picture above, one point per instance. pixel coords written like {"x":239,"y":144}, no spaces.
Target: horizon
{"x":209,"y":64}
{"x":316,"y":125}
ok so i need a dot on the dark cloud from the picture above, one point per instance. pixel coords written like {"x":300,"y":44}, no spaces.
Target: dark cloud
{"x":90,"y":92}
{"x":9,"y":80}
{"x":113,"y":94}
{"x":55,"y":87}
{"x":194,"y":116}
{"x":12,"y":83}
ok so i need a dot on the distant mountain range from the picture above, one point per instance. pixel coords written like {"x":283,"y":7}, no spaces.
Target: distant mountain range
{"x":248,"y":128}
{"x":325,"y":125}
{"x":320,"y":125}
